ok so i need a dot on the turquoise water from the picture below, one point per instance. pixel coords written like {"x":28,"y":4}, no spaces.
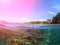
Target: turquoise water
{"x":50,"y":35}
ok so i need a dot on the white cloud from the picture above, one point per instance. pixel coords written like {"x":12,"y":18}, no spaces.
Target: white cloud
{"x":56,"y":6}
{"x":49,"y":12}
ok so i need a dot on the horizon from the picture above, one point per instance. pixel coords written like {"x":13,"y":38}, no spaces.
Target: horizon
{"x":28,"y":10}
{"x":19,"y":22}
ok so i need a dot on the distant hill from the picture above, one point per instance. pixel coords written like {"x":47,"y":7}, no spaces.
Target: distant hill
{"x":56,"y":19}
{"x":40,"y":22}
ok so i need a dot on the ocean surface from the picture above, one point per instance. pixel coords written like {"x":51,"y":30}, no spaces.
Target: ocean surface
{"x":43,"y":26}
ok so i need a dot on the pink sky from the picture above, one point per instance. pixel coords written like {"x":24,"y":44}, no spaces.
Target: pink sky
{"x":16,"y":10}
{"x":25,"y":10}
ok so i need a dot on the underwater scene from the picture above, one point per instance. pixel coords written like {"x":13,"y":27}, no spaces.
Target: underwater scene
{"x":36,"y":34}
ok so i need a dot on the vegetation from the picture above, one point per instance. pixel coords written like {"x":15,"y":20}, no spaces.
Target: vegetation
{"x":56,"y":19}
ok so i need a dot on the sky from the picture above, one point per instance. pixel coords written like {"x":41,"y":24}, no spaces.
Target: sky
{"x":28,"y":10}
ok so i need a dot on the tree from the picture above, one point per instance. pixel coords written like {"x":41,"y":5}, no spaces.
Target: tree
{"x":56,"y":19}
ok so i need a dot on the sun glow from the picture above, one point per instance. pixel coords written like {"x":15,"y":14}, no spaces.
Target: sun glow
{"x":16,"y":10}
{"x":15,"y":19}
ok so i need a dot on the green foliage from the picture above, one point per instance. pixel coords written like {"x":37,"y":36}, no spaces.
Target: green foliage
{"x":56,"y":19}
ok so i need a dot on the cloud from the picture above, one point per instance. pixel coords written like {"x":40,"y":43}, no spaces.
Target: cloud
{"x":56,"y":6}
{"x":49,"y":12}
